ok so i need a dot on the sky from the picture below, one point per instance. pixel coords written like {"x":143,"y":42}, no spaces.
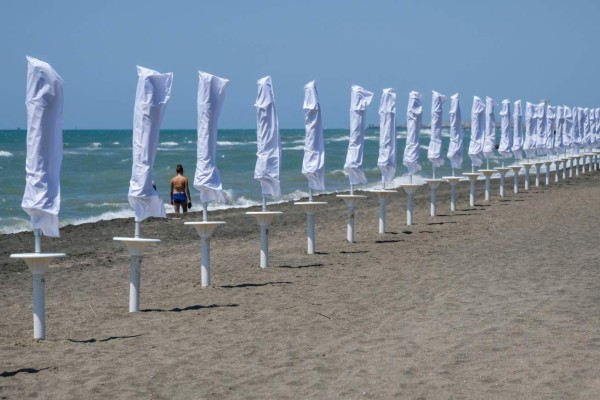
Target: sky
{"x":516,"y":49}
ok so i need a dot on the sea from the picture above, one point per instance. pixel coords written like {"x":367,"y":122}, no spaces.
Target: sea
{"x":96,"y":169}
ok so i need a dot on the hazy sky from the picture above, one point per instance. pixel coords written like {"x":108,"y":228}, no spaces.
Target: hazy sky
{"x":517,"y":49}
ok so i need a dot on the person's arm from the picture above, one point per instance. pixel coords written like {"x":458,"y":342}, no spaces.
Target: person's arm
{"x":171,"y":193}
{"x":187,"y":191}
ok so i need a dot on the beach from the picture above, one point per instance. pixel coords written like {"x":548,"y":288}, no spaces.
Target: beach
{"x":496,"y":301}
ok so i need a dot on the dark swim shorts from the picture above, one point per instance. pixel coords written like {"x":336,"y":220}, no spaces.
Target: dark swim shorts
{"x":179,"y":198}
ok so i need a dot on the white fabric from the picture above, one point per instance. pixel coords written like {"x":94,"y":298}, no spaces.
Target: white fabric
{"x":592,"y":117}
{"x":267,"y":140}
{"x":489,"y":141}
{"x":587,"y":132}
{"x":529,"y":143}
{"x":477,"y":132}
{"x":211,"y":94}
{"x":559,"y":140}
{"x":581,"y":114}
{"x":576,"y":137}
{"x":505,"y":134}
{"x":597,"y":114}
{"x":540,"y":131}
{"x":359,"y":101}
{"x":44,"y":101}
{"x":414,"y":117}
{"x":517,"y":143}
{"x":313,"y":164}
{"x":568,"y":128}
{"x":550,"y":127}
{"x":152,"y":95}
{"x":434,"y":153}
{"x":455,"y":147}
{"x":386,"y":162}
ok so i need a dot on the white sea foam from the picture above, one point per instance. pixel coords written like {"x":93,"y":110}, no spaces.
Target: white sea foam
{"x":96,"y":144}
{"x":294,"y":148}
{"x":423,"y":147}
{"x":6,"y":153}
{"x":116,"y":143}
{"x":228,"y":143}
{"x":169,"y":144}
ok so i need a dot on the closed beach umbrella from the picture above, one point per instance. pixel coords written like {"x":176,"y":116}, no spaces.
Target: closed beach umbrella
{"x":593,"y":126}
{"x":477,"y":132}
{"x":550,"y":128}
{"x":414,"y":116}
{"x":455,"y":147}
{"x":489,"y":141}
{"x":517,"y":144}
{"x":505,"y":147}
{"x":267,"y":140}
{"x":529,"y":143}
{"x":581,"y":120}
{"x":587,"y":132}
{"x":559,"y":140}
{"x":313,"y":164}
{"x":434,"y":153}
{"x":597,"y":114}
{"x":386,"y":162}
{"x":152,"y":95}
{"x":211,"y":94}
{"x":44,"y":101}
{"x":540,"y":130}
{"x":576,"y":136}
{"x":359,"y":101}
{"x":568,"y":128}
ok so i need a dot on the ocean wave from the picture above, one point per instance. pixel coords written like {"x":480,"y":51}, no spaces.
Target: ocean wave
{"x":6,"y":153}
{"x":423,"y":147}
{"x":169,"y":144}
{"x":96,"y":144}
{"x":337,"y":172}
{"x":294,"y":148}
{"x":116,"y":143}
{"x":228,"y":143}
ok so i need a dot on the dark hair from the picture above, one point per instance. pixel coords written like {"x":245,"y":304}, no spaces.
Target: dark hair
{"x":179,"y":169}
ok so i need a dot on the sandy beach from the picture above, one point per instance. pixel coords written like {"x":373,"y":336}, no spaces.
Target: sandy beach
{"x":496,"y":301}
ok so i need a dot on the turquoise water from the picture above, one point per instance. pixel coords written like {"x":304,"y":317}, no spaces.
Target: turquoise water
{"x":97,"y":167}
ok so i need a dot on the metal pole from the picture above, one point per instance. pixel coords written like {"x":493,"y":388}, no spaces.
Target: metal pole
{"x":39,"y":306}
{"x":134,"y":283}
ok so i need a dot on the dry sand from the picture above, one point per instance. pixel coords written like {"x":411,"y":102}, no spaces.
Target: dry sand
{"x":496,"y":301}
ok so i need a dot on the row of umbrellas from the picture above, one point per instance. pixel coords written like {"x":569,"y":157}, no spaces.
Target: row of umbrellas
{"x":547,"y":130}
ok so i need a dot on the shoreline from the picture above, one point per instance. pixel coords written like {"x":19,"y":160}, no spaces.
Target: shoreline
{"x":493,"y":301}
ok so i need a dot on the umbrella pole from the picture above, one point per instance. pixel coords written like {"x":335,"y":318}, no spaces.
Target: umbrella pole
{"x":205,"y":211}
{"x":433,"y":171}
{"x":310,"y":194}
{"x":138,"y":229}
{"x":37,"y":234}
{"x":264,"y":203}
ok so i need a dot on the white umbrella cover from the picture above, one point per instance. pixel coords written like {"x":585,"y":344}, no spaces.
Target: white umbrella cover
{"x":44,"y":101}
{"x":434,"y":153}
{"x":489,"y":141}
{"x":505,"y":147}
{"x":359,"y":101}
{"x":568,"y":128}
{"x":559,"y":140}
{"x":414,"y":116}
{"x":152,"y":95}
{"x":455,"y":147}
{"x":386,"y":162}
{"x":517,"y":144}
{"x":477,"y":130}
{"x":211,"y":94}
{"x":540,"y":130}
{"x":529,"y":143}
{"x":314,"y":149}
{"x":267,"y":140}
{"x":587,"y":132}
{"x":576,"y":132}
{"x":550,"y":128}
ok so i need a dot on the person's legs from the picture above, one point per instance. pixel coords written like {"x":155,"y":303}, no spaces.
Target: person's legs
{"x":176,"y":205}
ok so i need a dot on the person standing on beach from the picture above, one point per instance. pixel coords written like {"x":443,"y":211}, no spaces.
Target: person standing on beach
{"x":180,"y":191}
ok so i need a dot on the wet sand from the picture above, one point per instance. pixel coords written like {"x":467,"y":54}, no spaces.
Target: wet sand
{"x":496,"y":301}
